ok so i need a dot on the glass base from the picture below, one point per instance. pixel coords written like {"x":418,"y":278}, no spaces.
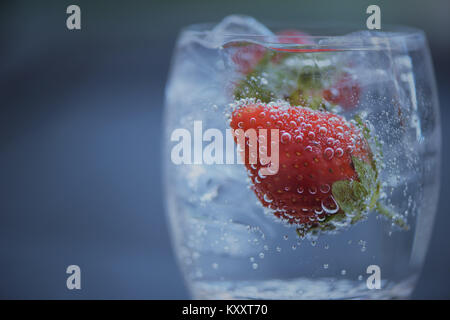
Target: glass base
{"x":301,"y":289}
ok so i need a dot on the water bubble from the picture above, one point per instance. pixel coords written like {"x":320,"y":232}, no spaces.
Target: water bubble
{"x":285,"y":138}
{"x":255,"y":266}
{"x":328,"y":153}
{"x":299,"y":138}
{"x":294,"y":247}
{"x":311,"y":135}
{"x":266,"y":247}
{"x":312,"y":190}
{"x":360,"y":277}
{"x":300,"y":189}
{"x":285,"y":237}
{"x":343,"y":272}
{"x":215,"y":266}
{"x":326,"y":246}
{"x":325,"y":188}
{"x":329,"y":205}
{"x":252,"y":121}
{"x":309,"y":148}
{"x":267,"y":198}
{"x":262,"y":138}
{"x":330,"y":141}
{"x":240,"y":124}
{"x":313,"y":243}
{"x":261,"y":255}
{"x":323,"y":130}
{"x":278,"y":249}
{"x":262,"y":114}
{"x":252,"y":259}
{"x":325,"y":266}
{"x":339,"y":152}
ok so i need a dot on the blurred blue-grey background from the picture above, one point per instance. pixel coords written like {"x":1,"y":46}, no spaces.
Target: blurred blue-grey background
{"x":80,"y":139}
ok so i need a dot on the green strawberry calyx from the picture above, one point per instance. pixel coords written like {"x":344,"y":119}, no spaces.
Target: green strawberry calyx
{"x":356,"y":198}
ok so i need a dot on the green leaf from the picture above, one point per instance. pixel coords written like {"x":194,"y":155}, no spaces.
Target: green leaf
{"x":366,"y":174}
{"x":343,"y":194}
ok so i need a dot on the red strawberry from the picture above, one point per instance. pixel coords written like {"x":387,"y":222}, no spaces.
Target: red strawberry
{"x":345,"y":93}
{"x":316,"y":149}
{"x":247,"y":57}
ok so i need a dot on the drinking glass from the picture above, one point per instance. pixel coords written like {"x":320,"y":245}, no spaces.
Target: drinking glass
{"x":229,"y":242}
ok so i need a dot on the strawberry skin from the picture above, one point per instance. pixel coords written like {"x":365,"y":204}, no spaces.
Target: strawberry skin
{"x":315,"y":150}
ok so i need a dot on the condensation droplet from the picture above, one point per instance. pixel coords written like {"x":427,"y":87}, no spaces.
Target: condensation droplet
{"x":255,"y":266}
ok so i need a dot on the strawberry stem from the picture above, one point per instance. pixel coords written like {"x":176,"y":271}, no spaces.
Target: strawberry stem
{"x":395,"y":218}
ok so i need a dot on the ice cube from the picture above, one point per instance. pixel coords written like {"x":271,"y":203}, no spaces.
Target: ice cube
{"x":234,"y":27}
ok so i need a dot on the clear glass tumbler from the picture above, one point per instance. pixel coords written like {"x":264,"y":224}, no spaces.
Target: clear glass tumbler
{"x":348,"y":211}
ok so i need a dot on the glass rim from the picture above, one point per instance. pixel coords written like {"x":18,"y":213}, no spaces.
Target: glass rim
{"x":390,"y":36}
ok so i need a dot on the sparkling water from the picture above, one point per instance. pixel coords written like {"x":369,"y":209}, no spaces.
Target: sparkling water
{"x":228,"y":245}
